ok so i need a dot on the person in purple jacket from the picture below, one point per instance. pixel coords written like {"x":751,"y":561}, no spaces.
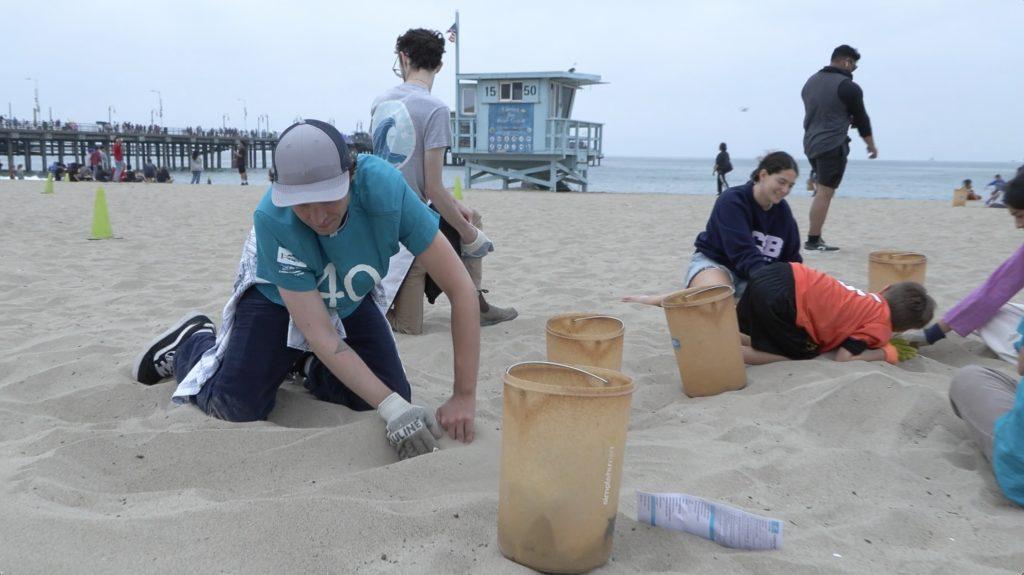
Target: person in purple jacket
{"x":990,"y":401}
{"x":750,"y":227}
{"x":985,"y":310}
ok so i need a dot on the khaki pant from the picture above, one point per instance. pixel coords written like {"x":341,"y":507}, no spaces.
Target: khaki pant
{"x":406,"y":313}
{"x":980,"y":396}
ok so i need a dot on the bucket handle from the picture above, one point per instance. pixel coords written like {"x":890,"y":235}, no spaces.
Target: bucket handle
{"x":576,"y":319}
{"x":708,"y":288}
{"x":562,"y":365}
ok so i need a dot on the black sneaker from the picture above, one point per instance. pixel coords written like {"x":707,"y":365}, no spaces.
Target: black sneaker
{"x":819,"y":246}
{"x":297,"y":371}
{"x":157,"y":362}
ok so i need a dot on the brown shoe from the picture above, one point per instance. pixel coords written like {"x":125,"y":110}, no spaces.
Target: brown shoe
{"x":495,"y":314}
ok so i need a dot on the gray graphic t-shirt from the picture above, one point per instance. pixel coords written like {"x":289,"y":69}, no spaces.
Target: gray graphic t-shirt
{"x":406,"y":121}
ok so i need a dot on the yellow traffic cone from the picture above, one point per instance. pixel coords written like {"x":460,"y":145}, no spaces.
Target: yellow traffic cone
{"x":458,"y":188}
{"x":100,"y":218}
{"x":48,"y":188}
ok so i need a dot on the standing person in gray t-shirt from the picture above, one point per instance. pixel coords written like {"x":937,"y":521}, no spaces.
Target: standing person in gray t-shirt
{"x":832,"y":103}
{"x":411,"y":130}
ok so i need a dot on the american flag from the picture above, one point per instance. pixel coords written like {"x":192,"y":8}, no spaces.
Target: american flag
{"x":453,"y":33}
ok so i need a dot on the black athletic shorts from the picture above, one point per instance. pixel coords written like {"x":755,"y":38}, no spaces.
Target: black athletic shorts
{"x":767,"y":313}
{"x":829,"y":167}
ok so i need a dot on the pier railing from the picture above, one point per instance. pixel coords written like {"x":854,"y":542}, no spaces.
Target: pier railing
{"x":118,"y":130}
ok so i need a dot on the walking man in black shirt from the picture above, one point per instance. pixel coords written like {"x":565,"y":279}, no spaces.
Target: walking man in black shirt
{"x":832,"y":103}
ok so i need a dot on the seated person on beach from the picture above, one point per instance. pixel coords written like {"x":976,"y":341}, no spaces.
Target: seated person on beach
{"x":995,"y":199}
{"x":985,"y":310}
{"x":969,"y":191}
{"x":991,"y":403}
{"x":163,"y":176}
{"x":791,"y":311}
{"x":750,"y":227}
{"x":307,"y":299}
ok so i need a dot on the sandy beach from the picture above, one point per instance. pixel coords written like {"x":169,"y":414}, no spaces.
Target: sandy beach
{"x":866,"y":464}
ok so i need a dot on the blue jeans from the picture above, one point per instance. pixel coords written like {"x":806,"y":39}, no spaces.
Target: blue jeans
{"x":257,"y":360}
{"x":195,"y":177}
{"x":700,"y":262}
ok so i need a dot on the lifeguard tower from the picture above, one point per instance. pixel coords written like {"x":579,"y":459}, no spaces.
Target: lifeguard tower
{"x":518,"y":127}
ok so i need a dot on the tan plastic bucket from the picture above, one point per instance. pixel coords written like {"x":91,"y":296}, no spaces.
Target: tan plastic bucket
{"x":562,"y":443}
{"x":706,"y":339}
{"x":586,"y":339}
{"x":888,"y":267}
{"x":959,"y":197}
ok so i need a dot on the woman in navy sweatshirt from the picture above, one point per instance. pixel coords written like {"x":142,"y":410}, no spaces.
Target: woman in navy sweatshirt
{"x":750,"y":227}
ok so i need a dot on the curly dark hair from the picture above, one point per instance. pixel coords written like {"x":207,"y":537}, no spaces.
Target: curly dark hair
{"x":423,"y":47}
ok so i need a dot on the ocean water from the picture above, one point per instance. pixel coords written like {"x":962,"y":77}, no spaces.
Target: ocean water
{"x":863,"y":179}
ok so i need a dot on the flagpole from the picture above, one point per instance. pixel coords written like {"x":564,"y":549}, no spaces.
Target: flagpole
{"x":458,"y":92}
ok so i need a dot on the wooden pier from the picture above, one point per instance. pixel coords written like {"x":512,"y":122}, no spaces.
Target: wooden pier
{"x":170,"y":147}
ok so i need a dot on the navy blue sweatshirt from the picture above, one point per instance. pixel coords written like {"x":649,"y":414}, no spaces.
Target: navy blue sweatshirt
{"x":744,"y":236}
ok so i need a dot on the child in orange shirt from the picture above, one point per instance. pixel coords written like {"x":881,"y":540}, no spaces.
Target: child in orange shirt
{"x":791,"y":311}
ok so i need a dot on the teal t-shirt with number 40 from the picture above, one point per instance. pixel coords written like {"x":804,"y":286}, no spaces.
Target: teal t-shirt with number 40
{"x":345,"y":266}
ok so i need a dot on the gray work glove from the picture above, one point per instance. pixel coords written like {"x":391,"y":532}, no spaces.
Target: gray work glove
{"x":914,"y":337}
{"x":479,"y":248}
{"x":923,"y":337}
{"x":412,"y":430}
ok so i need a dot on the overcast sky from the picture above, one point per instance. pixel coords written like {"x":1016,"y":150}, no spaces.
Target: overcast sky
{"x":942,"y":79}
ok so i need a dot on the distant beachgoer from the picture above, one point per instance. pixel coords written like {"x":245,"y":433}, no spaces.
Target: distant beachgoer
{"x":968,"y":190}
{"x":19,"y":172}
{"x":118,"y":159}
{"x":195,"y":164}
{"x":306,"y":298}
{"x":791,"y":311}
{"x":995,"y":199}
{"x":812,"y":183}
{"x":985,"y":310}
{"x":95,"y":160}
{"x":832,"y":103}
{"x":722,"y":167}
{"x":241,"y":158}
{"x":104,"y":159}
{"x":149,"y":170}
{"x":163,"y":176}
{"x":750,"y":227}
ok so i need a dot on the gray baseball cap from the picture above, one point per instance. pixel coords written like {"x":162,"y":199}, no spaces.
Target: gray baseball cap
{"x":311,"y":161}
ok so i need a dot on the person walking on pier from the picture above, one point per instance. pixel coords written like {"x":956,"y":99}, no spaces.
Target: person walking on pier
{"x":832,"y":103}
{"x":410,"y":129}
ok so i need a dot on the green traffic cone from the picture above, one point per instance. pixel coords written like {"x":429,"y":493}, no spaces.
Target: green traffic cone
{"x":458,"y":188}
{"x":67,"y":177}
{"x":100,"y":218}
{"x":48,"y":188}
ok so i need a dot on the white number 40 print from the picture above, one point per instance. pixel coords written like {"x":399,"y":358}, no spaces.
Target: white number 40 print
{"x":332,"y":295}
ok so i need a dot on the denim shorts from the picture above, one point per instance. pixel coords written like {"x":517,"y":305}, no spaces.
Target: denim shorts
{"x":700,"y":262}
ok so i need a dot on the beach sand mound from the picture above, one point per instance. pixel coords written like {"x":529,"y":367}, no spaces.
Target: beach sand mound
{"x":865,"y":463}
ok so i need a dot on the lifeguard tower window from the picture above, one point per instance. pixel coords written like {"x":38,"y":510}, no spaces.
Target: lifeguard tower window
{"x":469,"y":100}
{"x":511,"y":92}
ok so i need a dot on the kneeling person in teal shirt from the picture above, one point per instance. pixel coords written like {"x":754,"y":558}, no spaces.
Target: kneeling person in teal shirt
{"x":306,"y":300}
